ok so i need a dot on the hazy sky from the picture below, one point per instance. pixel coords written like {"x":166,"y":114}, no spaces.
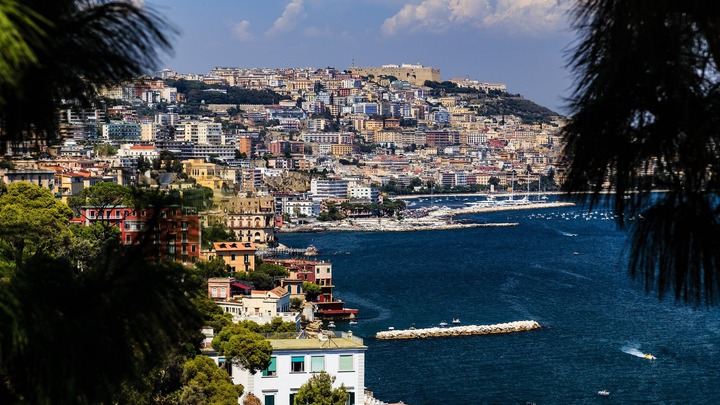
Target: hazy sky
{"x":521,"y":43}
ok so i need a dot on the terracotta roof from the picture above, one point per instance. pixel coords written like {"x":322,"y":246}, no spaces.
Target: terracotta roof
{"x":226,"y":246}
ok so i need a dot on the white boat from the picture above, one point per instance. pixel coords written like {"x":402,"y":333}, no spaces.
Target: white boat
{"x":443,"y":324}
{"x":331,"y":324}
{"x":353,"y":322}
{"x":391,"y":328}
{"x":604,"y":393}
{"x":456,"y":320}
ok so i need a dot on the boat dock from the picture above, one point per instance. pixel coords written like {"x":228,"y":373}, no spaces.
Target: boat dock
{"x":284,"y":250}
{"x":469,"y":330}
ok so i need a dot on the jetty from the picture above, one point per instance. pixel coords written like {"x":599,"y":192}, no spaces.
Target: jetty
{"x":469,"y":330}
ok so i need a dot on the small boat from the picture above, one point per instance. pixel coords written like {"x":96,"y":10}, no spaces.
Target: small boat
{"x":391,"y":328}
{"x":331,"y":324}
{"x":443,"y":324}
{"x":649,"y":356}
{"x":456,"y":320}
{"x":604,"y":393}
{"x":353,"y":322}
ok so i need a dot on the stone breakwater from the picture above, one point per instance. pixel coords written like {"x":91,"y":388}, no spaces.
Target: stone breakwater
{"x":470,"y":330}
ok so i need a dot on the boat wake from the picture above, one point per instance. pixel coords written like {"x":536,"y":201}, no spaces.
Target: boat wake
{"x":367,"y":304}
{"x":635,"y":351}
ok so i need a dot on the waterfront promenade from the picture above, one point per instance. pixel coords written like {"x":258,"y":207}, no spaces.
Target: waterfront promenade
{"x":439,"y":219}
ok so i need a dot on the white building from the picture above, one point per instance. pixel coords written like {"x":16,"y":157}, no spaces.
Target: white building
{"x":294,"y":361}
{"x":267,"y":303}
{"x":364,"y":193}
{"x":200,"y":132}
{"x":329,"y":188}
{"x":298,"y":208}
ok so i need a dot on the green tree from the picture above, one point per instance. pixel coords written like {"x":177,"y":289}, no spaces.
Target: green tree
{"x":103,"y":195}
{"x":212,"y":268}
{"x":272,"y":270}
{"x":311,"y":290}
{"x":210,"y":311}
{"x":216,"y":233}
{"x":646,"y":116}
{"x":72,"y":59}
{"x":206,"y":383}
{"x":50,"y":343}
{"x":32,"y":221}
{"x":243,"y":347}
{"x":318,"y":390}
{"x":296,"y":303}
{"x":261,"y":280}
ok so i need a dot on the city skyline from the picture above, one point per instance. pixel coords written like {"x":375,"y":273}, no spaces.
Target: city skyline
{"x":517,"y":42}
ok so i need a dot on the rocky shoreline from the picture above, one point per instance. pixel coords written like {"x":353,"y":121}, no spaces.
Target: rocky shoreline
{"x":470,"y":330}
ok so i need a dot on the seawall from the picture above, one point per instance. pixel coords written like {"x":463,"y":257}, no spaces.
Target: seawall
{"x":470,"y":330}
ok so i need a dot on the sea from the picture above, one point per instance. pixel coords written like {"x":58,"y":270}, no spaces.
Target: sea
{"x":565,"y":268}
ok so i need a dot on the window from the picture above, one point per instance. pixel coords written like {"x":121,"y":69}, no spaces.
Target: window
{"x":222,"y":292}
{"x":269,"y":399}
{"x":350,"y":400}
{"x":214,"y":292}
{"x":317,"y":364}
{"x":317,"y":271}
{"x":127,"y":239}
{"x":346,"y":362}
{"x":271,"y":370}
{"x":297,"y":364}
{"x":292,"y":397}
{"x":92,"y":214}
{"x":117,"y":214}
{"x":192,"y":248}
{"x":232,"y":256}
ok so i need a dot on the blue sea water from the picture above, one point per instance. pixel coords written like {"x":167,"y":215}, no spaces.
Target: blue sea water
{"x":562,"y":267}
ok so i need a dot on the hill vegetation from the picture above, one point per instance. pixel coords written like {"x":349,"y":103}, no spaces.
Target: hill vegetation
{"x":197,"y":92}
{"x":495,"y":102}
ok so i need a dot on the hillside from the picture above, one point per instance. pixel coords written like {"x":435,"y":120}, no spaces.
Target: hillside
{"x":495,"y":102}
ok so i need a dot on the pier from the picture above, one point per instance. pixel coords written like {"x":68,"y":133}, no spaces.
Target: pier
{"x":284,"y":250}
{"x":470,"y":330}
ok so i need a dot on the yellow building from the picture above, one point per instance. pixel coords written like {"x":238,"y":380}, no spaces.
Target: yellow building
{"x":340,"y":150}
{"x":240,"y":256}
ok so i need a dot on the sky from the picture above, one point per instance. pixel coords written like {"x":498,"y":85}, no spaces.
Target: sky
{"x":522,"y":43}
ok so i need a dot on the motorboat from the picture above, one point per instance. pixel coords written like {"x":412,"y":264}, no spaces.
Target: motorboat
{"x":331,"y":324}
{"x":456,"y":320}
{"x":604,"y":393}
{"x":649,"y":356}
{"x":443,"y":324}
{"x":353,"y":322}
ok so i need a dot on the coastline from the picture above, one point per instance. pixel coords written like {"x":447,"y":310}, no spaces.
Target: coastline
{"x":441,"y":219}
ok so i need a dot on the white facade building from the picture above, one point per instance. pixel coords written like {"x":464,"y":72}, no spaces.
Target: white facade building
{"x":364,"y":193}
{"x":329,"y":188}
{"x":198,"y":132}
{"x":298,"y":208}
{"x":294,"y":361}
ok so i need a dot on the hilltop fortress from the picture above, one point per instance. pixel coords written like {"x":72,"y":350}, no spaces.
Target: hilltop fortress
{"x":415,"y":74}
